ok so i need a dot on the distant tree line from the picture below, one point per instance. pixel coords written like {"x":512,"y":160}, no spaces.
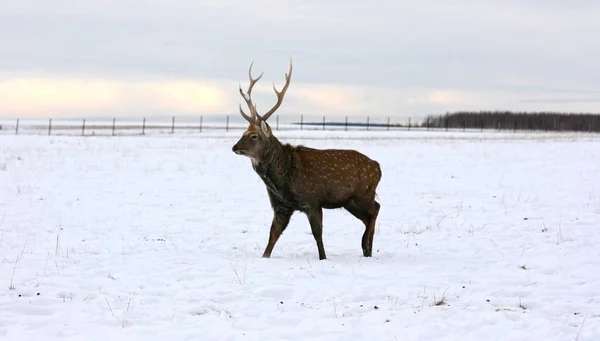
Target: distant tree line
{"x":504,"y":120}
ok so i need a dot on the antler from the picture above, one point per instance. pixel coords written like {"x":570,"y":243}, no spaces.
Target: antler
{"x":280,"y":95}
{"x":247,"y":97}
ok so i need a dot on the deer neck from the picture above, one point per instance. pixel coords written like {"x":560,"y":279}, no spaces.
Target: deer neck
{"x":274,"y":165}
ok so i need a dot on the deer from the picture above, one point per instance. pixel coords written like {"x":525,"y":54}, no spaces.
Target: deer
{"x":307,"y":180}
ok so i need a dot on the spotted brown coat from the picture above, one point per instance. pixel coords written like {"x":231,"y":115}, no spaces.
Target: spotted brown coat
{"x":308,"y":180}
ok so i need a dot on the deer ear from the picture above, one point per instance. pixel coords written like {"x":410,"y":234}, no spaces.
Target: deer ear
{"x":265,"y":128}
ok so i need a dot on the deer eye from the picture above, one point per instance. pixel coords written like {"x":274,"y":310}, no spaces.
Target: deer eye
{"x":253,"y":137}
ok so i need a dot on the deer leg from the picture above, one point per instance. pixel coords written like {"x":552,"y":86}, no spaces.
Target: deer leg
{"x":367,"y":216}
{"x":315,"y":218}
{"x":370,"y":230}
{"x":281,"y":219}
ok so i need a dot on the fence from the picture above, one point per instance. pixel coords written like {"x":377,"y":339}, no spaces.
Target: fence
{"x":173,"y":124}
{"x":161,"y":125}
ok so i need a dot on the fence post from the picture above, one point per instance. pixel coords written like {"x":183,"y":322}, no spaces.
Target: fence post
{"x":113,"y":127}
{"x":227,"y":125}
{"x":323,"y":122}
{"x":367,"y":122}
{"x":83,"y":128}
{"x":277,"y":124}
{"x":200,"y":123}
{"x":346,"y":123}
{"x":144,"y":126}
{"x":49,"y":126}
{"x":173,"y":125}
{"x":301,"y":121}
{"x":409,"y":123}
{"x":17,"y":128}
{"x":388,"y":123}
{"x":427,"y":123}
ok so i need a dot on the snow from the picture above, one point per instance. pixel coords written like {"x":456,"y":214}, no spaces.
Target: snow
{"x":161,"y":237}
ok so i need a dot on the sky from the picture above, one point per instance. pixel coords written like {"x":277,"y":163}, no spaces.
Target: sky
{"x":129,"y":58}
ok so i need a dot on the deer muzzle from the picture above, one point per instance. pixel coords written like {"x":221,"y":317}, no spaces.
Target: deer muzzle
{"x":236,"y":149}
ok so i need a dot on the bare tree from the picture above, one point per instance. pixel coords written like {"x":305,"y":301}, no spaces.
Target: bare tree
{"x":508,"y":120}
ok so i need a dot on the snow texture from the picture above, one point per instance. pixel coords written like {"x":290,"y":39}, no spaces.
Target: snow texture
{"x":481,"y":236}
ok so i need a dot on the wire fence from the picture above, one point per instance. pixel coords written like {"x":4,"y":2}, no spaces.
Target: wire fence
{"x":231,"y":123}
{"x":201,"y":124}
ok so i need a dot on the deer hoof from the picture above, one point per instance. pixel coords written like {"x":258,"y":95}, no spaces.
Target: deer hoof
{"x":367,"y":252}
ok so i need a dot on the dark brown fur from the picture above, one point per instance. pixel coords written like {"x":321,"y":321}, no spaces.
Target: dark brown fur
{"x":309,"y":180}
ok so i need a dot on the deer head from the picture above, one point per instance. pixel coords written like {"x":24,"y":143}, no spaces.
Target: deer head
{"x":258,"y":134}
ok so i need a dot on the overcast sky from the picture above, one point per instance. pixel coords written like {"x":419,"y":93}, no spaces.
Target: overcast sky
{"x":358,"y":58}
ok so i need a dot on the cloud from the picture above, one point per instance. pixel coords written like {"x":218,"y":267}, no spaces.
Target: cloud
{"x":188,"y":96}
{"x":103,"y":97}
{"x":89,"y":97}
{"x":350,"y":57}
{"x":331,"y":97}
{"x":595,"y":100}
{"x":447,"y":97}
{"x":31,"y":95}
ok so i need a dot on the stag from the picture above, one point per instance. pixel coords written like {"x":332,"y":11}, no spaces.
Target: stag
{"x":307,"y":180}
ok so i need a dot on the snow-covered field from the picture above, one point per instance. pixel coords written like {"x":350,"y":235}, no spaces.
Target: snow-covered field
{"x":481,"y":236}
